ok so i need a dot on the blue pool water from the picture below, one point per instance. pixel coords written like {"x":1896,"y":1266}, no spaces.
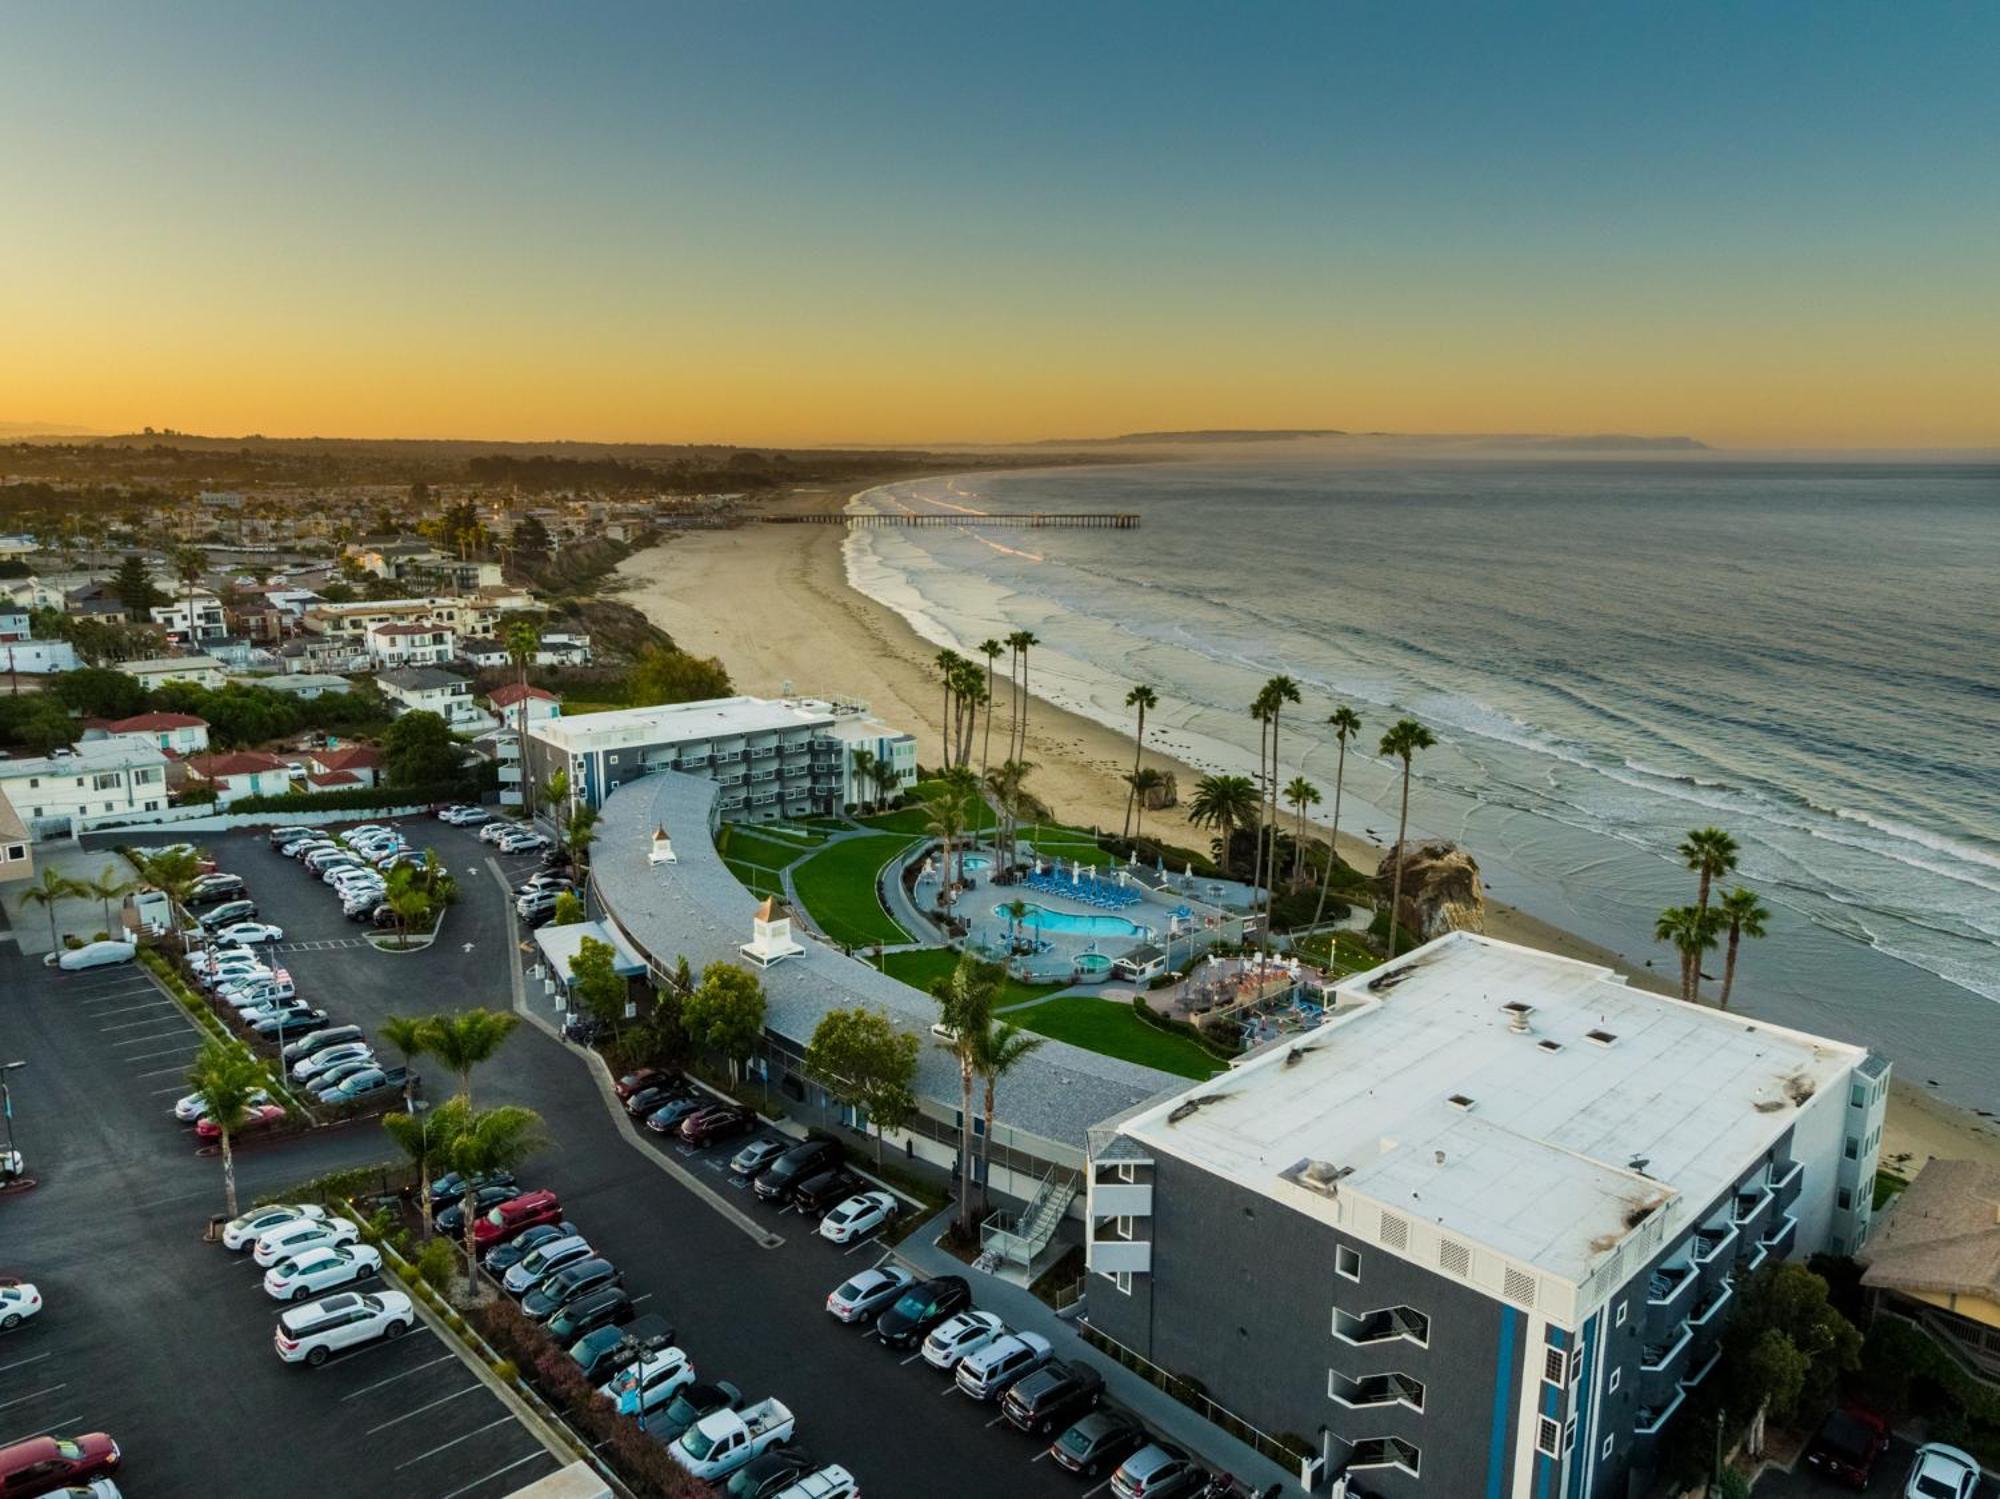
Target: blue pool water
{"x":1092,"y":926}
{"x":975,"y":861}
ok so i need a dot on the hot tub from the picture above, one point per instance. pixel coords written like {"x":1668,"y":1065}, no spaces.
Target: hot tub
{"x":1092,"y":968}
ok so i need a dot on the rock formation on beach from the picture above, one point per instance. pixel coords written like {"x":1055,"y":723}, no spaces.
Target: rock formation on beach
{"x":1441,"y":888}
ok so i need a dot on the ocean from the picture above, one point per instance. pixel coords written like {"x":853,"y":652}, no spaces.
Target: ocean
{"x":1609,"y":652}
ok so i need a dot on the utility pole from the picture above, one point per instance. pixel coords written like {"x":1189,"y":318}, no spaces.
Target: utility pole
{"x":7,"y":1107}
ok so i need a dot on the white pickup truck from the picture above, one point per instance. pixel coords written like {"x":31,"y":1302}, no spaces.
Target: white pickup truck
{"x":723,"y":1441}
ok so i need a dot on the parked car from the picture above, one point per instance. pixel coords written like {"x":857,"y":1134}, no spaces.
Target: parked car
{"x":921,"y":1308}
{"x":1100,"y":1441}
{"x":540,"y":903}
{"x":859,"y":1217}
{"x":334,"y":1076}
{"x":249,"y":933}
{"x":530,"y":1210}
{"x":645,"y":1077}
{"x":213,"y":888}
{"x":604,"y":1307}
{"x":536,"y":883}
{"x":647,"y":1099}
{"x":584,"y":1030}
{"x":92,"y":955}
{"x":314,"y":1270}
{"x":604,"y":1352}
{"x":1942,"y":1472}
{"x":720,"y":1443}
{"x":720,"y":1121}
{"x":823,"y":1191}
{"x":493,"y":832}
{"x":228,"y":914}
{"x":649,"y":1382}
{"x":693,"y":1403}
{"x":568,"y":1283}
{"x":519,"y":842}
{"x":862,"y":1295}
{"x":666,"y":1119}
{"x":287,"y":1239}
{"x":448,"y":1189}
{"x":288,"y":1020}
{"x":1158,"y":1470}
{"x":305,"y":1046}
{"x":1051,"y":1397}
{"x":769,"y":1473}
{"x":543,"y":1261}
{"x":18,"y":1302}
{"x":193,"y":1106}
{"x":48,"y":1465}
{"x":830,"y":1482}
{"x":372,"y":1081}
{"x":331,"y":1056}
{"x":776,"y":1181}
{"x":279,"y":837}
{"x":502,"y":1257}
{"x":259,"y":1116}
{"x":1847,"y":1446}
{"x":755,"y":1157}
{"x":313,"y":1333}
{"x":243,"y":1231}
{"x":990,"y":1372}
{"x":451,"y":1220}
{"x":955,"y":1337}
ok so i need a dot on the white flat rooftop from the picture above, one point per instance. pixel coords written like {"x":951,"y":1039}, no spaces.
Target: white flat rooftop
{"x":673,"y":723}
{"x":1544,"y":1145}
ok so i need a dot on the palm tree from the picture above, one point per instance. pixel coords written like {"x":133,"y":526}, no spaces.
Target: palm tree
{"x":465,"y":1039}
{"x":1301,"y":793}
{"x":945,"y":820}
{"x":1026,"y":638}
{"x":1693,"y":932}
{"x":1224,"y":803}
{"x":1405,"y":737}
{"x":108,"y":887}
{"x":52,"y":890}
{"x":997,"y":1050}
{"x":1008,"y":783}
{"x":523,"y":642}
{"x":965,"y":1003}
{"x":1278,"y":691}
{"x":190,"y":562}
{"x":580,"y":832}
{"x":476,"y":1142}
{"x":410,"y":901}
{"x":411,"y":1132}
{"x":1016,"y":911}
{"x":1141,"y":697}
{"x":862,"y":763}
{"x":1709,"y":852}
{"x":411,"y":1037}
{"x":174,"y":875}
{"x":1745,"y":917}
{"x":946,"y":661}
{"x":1346,"y":723}
{"x":990,"y":649}
{"x":226,"y":1076}
{"x":1144,"y":782}
{"x":888,"y":780}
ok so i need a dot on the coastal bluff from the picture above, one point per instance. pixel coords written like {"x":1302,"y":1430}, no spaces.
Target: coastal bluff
{"x":1441,"y":888}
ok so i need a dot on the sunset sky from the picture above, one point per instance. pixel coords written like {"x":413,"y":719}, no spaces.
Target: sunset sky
{"x":1762,"y":225}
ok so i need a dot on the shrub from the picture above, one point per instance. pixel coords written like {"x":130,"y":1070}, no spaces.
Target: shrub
{"x":407,"y":1274}
{"x":435,"y":1262}
{"x":504,"y":1370}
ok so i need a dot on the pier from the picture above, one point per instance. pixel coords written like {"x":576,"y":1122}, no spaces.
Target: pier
{"x":1037,"y":520}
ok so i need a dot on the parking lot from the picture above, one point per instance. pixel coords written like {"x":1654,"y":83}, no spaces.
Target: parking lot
{"x":747,"y":1313}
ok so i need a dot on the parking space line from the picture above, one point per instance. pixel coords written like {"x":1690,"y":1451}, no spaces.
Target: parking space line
{"x":22,"y":1363}
{"x":518,"y":1462}
{"x":996,"y":1420}
{"x":456,"y":1440}
{"x":446,"y":1400}
{"x":161,"y":1092}
{"x":432,"y":1364}
{"x":158,"y":1071}
{"x":142,"y":1040}
{"x":34,"y":1395}
{"x":57,"y":1425}
{"x":151,"y":1004}
{"x":1093,"y":1493}
{"x":133,"y":1025}
{"x":147,"y":1056}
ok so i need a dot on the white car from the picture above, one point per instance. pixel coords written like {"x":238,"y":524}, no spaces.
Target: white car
{"x":650,"y":1383}
{"x":830,"y":1482}
{"x":288,"y":1239}
{"x":870,"y":1291}
{"x":987,"y":1374}
{"x":493,"y":832}
{"x":858,"y":1217}
{"x":92,"y":955}
{"x":465,"y":817}
{"x":315,"y":1270}
{"x":956,"y":1337}
{"x":313,"y":1333}
{"x":191,"y":1108}
{"x":249,"y":933}
{"x":21,"y":1301}
{"x":1941,"y":1472}
{"x":333,"y":1056}
{"x":537,"y":1265}
{"x":240,"y":1232}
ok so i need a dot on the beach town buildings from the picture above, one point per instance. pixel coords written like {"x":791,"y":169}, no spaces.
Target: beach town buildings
{"x":17,"y":849}
{"x":359,"y":764}
{"x":431,"y":689}
{"x":194,"y":618}
{"x":203,"y":671}
{"x":62,"y":792}
{"x":176,"y":733}
{"x":1934,"y":1262}
{"x":1477,"y":1233}
{"x":240,"y":774}
{"x":518,"y":708}
{"x":21,"y":653}
{"x":773,"y":758}
{"x":397,"y":644}
{"x":469,"y":616}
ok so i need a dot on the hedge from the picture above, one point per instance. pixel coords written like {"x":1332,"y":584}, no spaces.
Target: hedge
{"x":364,"y":798}
{"x":1220,"y":1049}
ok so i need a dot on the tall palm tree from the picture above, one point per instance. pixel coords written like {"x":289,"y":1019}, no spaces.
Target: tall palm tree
{"x":862,"y":763}
{"x":1141,"y":697}
{"x":1008,"y":783}
{"x":48,"y":893}
{"x":108,"y":887}
{"x":190,"y":562}
{"x":1224,"y":803}
{"x":945,"y":820}
{"x":965,"y":999}
{"x":990,"y":649}
{"x":946,"y":661}
{"x":1692,"y":931}
{"x":1405,"y":738}
{"x":1300,"y":793}
{"x":464,"y":1039}
{"x":226,"y":1076}
{"x":523,"y":642}
{"x":1144,"y":782}
{"x":475,"y":1142}
{"x":968,"y":694}
{"x":1278,"y":691}
{"x":888,"y":781}
{"x":1346,"y":723}
{"x":1027,"y":639}
{"x":997,"y":1051}
{"x":1710,"y":853}
{"x":1745,"y":916}
{"x":580,"y":831}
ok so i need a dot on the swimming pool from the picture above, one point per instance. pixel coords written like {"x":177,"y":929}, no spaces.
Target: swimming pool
{"x":974,"y":861}
{"x":1091,"y":926}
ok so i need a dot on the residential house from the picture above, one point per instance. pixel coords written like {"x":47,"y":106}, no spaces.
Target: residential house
{"x":320,"y":654}
{"x":467,"y":615}
{"x":17,"y":850}
{"x":96,"y":601}
{"x":192,"y":618}
{"x":176,"y":733}
{"x":304,"y":685}
{"x":396,"y":644}
{"x":240,"y":774}
{"x":362,"y":762}
{"x":1933,"y":1260}
{"x":66,"y":790}
{"x":431,"y":690}
{"x":332,"y":780}
{"x":29,"y":593}
{"x":21,"y":653}
{"x":203,"y":671}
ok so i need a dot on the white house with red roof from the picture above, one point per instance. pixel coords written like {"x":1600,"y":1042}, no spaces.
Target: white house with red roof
{"x":360,"y":764}
{"x":398,"y":644}
{"x":241,"y":773}
{"x":506,"y":703}
{"x":176,"y":733}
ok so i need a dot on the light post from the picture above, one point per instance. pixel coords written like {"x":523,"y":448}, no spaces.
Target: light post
{"x":13,"y":1161}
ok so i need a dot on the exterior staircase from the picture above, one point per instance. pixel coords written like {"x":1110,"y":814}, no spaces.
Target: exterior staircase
{"x":1018,"y":1238}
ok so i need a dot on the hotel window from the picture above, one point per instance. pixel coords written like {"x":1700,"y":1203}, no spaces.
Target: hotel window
{"x":1127,"y":1172}
{"x":1347,"y":1262}
{"x":1623,"y":1308}
{"x":1554,"y":1366}
{"x":1617,"y":1375}
{"x":1123,"y":1227}
{"x":1605,"y":1455}
{"x":1569,"y":1436}
{"x":1548,"y":1437}
{"x":1853,"y":1148}
{"x":1123,"y":1280}
{"x":1845,"y":1198}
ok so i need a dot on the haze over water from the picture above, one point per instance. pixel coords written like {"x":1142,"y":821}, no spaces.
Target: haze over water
{"x":1610,"y":652}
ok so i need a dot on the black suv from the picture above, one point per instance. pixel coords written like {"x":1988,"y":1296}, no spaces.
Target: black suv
{"x":796,"y":1165}
{"x":922,"y":1307}
{"x":568,"y":1283}
{"x":1052,"y":1397}
{"x":821,"y":1194}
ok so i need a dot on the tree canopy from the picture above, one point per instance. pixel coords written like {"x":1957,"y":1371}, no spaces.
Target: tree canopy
{"x":594,"y":983}
{"x":664,"y":675}
{"x":725,"y":1012}
{"x":861,"y":1058}
{"x":419,"y":750}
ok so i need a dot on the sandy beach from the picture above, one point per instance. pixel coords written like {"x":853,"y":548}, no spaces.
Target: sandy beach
{"x":773,"y":603}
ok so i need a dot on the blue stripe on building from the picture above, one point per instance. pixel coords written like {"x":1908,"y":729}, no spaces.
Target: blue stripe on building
{"x":1587,"y":1351}
{"x":1503,"y":1401}
{"x":1550,"y":1406}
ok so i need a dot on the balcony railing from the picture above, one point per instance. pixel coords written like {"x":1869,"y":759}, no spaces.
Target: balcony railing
{"x":1709,"y":1243}
{"x":1659,"y":1355}
{"x":1779,"y":1239}
{"x":1717,"y":1298}
{"x":1750,"y":1203}
{"x":1648,"y":1419}
{"x":1706,"y":1367}
{"x":1384,"y":1452}
{"x":1383,"y":1326}
{"x":1376,"y":1390}
{"x":1667,"y":1284}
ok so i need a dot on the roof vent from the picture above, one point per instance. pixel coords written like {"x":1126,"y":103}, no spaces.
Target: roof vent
{"x":1460,"y":1102}
{"x":1517,"y":1016}
{"x":1551,"y":1047}
{"x":1602,"y":1038}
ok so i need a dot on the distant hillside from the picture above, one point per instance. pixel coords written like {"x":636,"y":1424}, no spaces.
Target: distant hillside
{"x":1206,"y":434}
{"x":1600,"y":442}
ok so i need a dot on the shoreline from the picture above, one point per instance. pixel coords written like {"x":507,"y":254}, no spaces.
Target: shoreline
{"x":767,"y":600}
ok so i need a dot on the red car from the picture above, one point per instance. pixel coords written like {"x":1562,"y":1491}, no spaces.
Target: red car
{"x":517,"y":1215}
{"x":1847,"y":1446}
{"x":717,"y":1122}
{"x":645,"y":1077}
{"x":43,"y":1465}
{"x":260,"y":1117}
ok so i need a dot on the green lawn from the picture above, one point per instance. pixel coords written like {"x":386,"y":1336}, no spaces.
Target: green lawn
{"x":979,"y":815}
{"x":925,"y":966}
{"x":1067,"y":844}
{"x":1110,"y":1028}
{"x":837,"y":887}
{"x":738,"y":845}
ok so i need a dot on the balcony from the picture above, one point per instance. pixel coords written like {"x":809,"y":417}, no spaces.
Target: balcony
{"x":764,"y":798}
{"x":1386,"y":1325}
{"x":1116,"y":1256}
{"x":1384,"y":1452}
{"x":1121,"y":1199}
{"x":1669,"y":1356}
{"x":1706,"y":1367}
{"x":763,"y":752}
{"x":1716,"y":1298}
{"x":1649,"y":1419}
{"x":1783,"y":1235}
{"x":1376,"y":1391}
{"x":1710,"y":1243}
{"x":1786,"y":1181}
{"x":1750,"y":1201}
{"x":694,"y":762}
{"x":1668,"y":1284}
